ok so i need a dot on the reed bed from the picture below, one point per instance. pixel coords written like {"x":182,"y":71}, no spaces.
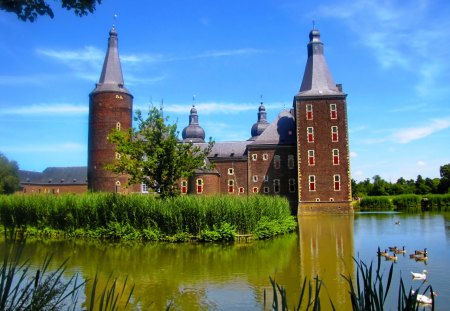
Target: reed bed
{"x":406,"y":203}
{"x":146,"y":217}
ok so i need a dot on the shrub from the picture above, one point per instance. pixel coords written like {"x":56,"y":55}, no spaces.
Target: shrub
{"x":407,"y":203}
{"x":380,"y":203}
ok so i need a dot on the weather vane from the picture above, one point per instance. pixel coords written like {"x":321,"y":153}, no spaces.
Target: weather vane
{"x":193,"y":100}
{"x":314,"y":24}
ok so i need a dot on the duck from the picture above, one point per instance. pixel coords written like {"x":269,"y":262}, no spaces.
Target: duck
{"x":391,"y":258}
{"x":423,"y":257}
{"x":397,"y":222}
{"x":412,"y":256}
{"x":383,"y":254}
{"x":419,"y":276}
{"x":420,"y":252}
{"x":392,"y":248}
{"x":425,"y":299}
{"x":400,"y":251}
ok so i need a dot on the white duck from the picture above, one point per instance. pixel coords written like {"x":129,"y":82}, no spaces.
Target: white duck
{"x":419,"y":276}
{"x":424,"y":299}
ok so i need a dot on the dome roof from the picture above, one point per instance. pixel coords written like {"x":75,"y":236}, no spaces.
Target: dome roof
{"x":193,"y":132}
{"x":261,"y":124}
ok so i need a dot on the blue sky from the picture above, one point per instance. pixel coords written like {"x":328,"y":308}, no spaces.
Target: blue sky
{"x":391,"y":57}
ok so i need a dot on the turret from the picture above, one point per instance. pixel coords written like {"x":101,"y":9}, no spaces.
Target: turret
{"x":193,"y":132}
{"x":110,"y":107}
{"x":261,"y":124}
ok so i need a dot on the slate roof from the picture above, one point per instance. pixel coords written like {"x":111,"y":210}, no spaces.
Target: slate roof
{"x":111,"y":78}
{"x":317,"y":79}
{"x":76,"y":175}
{"x":280,"y":132}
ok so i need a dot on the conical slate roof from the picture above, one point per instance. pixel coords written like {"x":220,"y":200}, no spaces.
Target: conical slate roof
{"x":111,"y":78}
{"x":317,"y":79}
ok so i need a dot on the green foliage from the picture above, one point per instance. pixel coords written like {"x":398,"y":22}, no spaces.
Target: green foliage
{"x":224,"y":232}
{"x":437,"y":202}
{"x":152,"y":154}
{"x":43,"y":290}
{"x":444,"y":185}
{"x":138,"y":217}
{"x":9,"y":177}
{"x":407,"y":202}
{"x":27,"y":10}
{"x":376,"y":204}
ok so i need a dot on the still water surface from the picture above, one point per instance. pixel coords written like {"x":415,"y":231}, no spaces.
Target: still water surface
{"x":236,"y":276}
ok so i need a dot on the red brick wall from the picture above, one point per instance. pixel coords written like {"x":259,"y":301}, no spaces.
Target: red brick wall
{"x":239,"y":176}
{"x":105,"y":110}
{"x":210,"y":184}
{"x":264,"y":165}
{"x":54,"y":189}
{"x":324,"y":169}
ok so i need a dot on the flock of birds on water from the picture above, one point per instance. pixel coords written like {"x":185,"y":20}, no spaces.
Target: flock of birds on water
{"x":418,"y":255}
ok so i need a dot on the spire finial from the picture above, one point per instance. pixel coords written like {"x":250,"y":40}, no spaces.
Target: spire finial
{"x":193,"y":100}
{"x":114,"y":20}
{"x":314,"y":24}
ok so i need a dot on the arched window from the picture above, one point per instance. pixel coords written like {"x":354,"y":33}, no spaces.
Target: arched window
{"x":312,"y":183}
{"x":276,"y":162}
{"x":310,"y":134}
{"x":291,"y":163}
{"x":334,"y":133}
{"x":309,"y":112}
{"x":230,"y":185}
{"x":276,"y":186}
{"x":335,"y":156}
{"x":337,"y":182}
{"x":291,"y":185}
{"x":184,"y":186}
{"x":311,"y":157}
{"x":333,"y":111}
{"x":199,"y":183}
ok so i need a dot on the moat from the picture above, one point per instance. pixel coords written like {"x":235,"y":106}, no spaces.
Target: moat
{"x":235,"y":276}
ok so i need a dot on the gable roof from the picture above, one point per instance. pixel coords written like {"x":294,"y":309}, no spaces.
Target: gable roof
{"x":76,"y":175}
{"x":280,"y":132}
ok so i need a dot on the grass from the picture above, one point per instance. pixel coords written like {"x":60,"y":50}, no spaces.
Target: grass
{"x":138,"y":217}
{"x":368,"y":291}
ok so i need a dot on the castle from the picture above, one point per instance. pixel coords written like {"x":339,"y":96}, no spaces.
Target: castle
{"x":302,"y":155}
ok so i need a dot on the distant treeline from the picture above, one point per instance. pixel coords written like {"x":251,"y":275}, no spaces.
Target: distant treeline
{"x":406,"y":203}
{"x":421,"y":186}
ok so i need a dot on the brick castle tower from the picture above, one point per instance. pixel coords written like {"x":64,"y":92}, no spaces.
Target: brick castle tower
{"x":322,"y":137}
{"x":110,"y":107}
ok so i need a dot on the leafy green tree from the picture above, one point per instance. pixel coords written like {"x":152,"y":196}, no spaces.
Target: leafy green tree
{"x":29,"y":10}
{"x":9,"y":176}
{"x":444,"y":184}
{"x":421,"y":187}
{"x":152,"y":154}
{"x":379,"y":186}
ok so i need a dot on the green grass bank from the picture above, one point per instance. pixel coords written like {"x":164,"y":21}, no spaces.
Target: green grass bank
{"x":147,"y":218}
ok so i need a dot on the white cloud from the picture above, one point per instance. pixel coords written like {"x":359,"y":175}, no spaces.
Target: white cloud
{"x":421,"y":163}
{"x":26,"y":80}
{"x":410,"y":134}
{"x":393,"y":31}
{"x":207,"y":108}
{"x":46,"y":148}
{"x":46,"y":109}
{"x":88,"y":54}
{"x":353,"y":154}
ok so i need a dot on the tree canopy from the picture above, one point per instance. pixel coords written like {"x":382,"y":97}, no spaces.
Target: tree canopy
{"x":9,"y":176}
{"x":402,"y":186}
{"x":152,"y":154}
{"x":29,"y":10}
